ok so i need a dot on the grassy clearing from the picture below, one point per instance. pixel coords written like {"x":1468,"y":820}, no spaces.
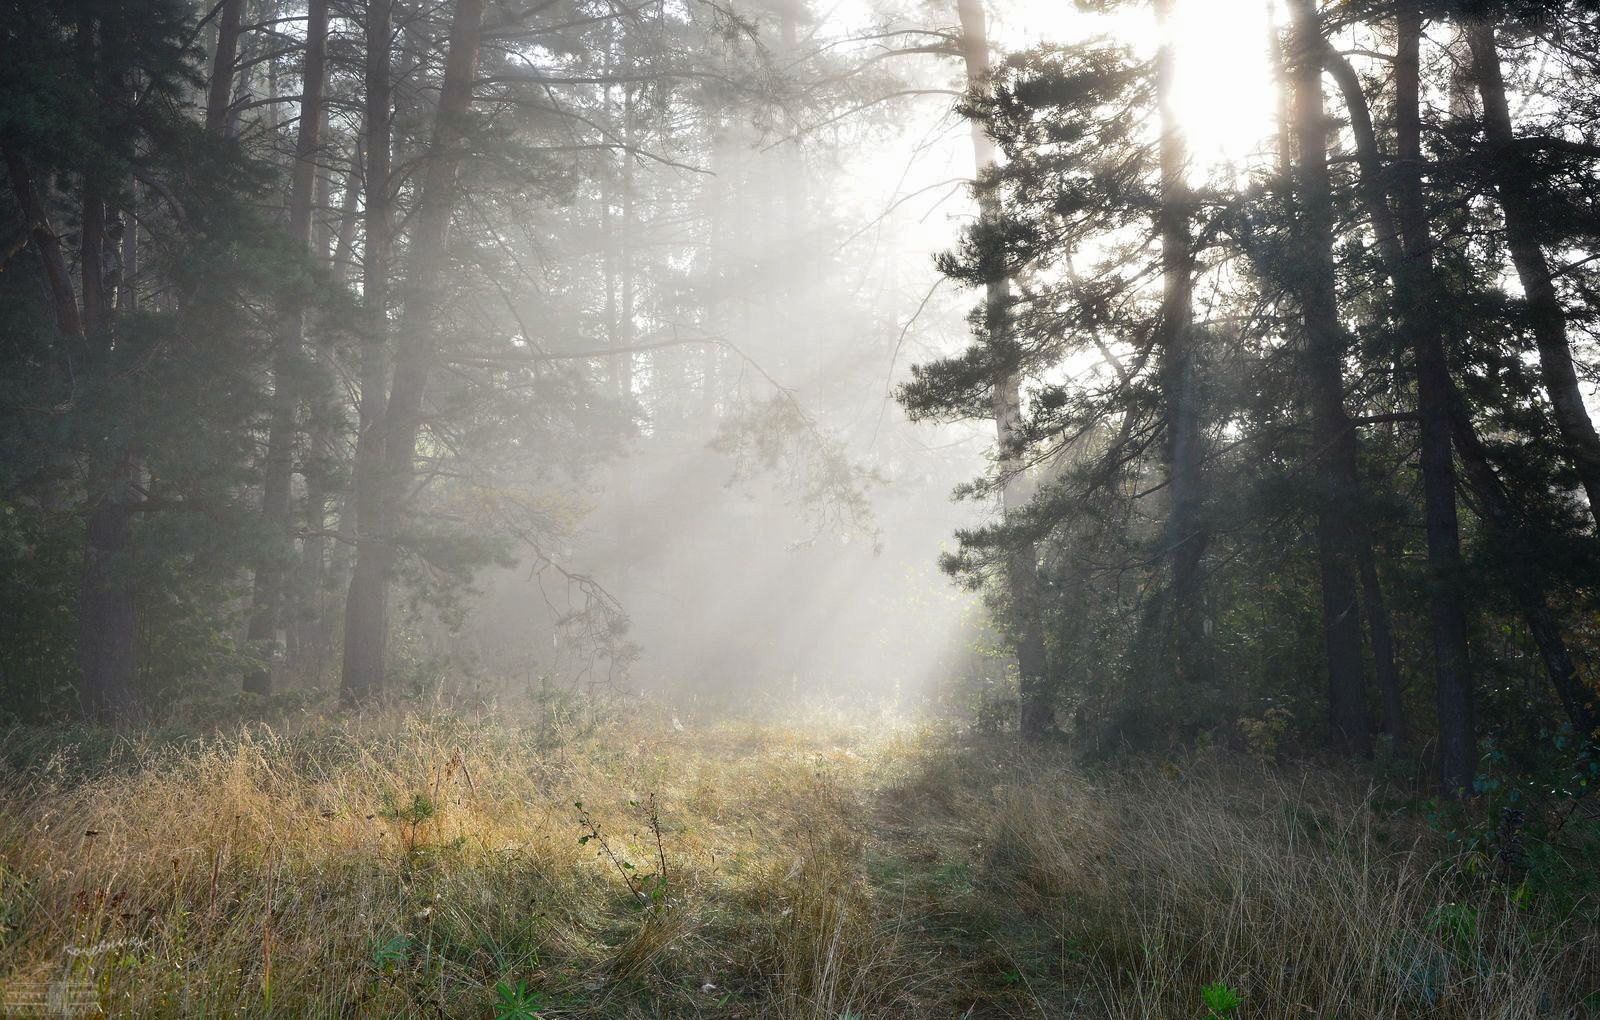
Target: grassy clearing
{"x":439,"y":868}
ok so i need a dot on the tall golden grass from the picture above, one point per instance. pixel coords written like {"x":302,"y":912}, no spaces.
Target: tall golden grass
{"x":412,"y":867}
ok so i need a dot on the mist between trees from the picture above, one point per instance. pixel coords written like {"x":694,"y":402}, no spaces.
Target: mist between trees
{"x":1077,"y":377}
{"x":505,"y":347}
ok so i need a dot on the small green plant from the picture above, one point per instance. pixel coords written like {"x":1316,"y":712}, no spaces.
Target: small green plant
{"x":1457,"y":926}
{"x":1222,"y":1001}
{"x":407,"y":817}
{"x":389,"y":954}
{"x":517,"y":1002}
{"x":1265,"y":736}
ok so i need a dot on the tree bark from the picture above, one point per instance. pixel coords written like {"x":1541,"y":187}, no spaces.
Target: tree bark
{"x":1022,"y":565}
{"x":1418,"y":294}
{"x":272,"y":568}
{"x":1499,"y":510}
{"x":219,"y":98}
{"x":1519,"y":205}
{"x":1333,"y":436}
{"x":1379,"y":628}
{"x":366,"y":611}
{"x":1186,"y":532}
{"x":414,"y":351}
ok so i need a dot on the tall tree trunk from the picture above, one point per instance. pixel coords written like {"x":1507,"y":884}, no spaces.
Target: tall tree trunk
{"x":1333,"y":435}
{"x":1419,"y":319}
{"x":108,"y":618}
{"x":1022,"y":565}
{"x":272,"y":568}
{"x":219,"y":97}
{"x":1506,"y":521}
{"x":1519,"y":205}
{"x":366,"y":608}
{"x":308,"y":624}
{"x":402,"y":416}
{"x":1186,"y":532}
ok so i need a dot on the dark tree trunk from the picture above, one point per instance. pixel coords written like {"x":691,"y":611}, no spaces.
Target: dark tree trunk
{"x":1186,"y":534}
{"x":91,"y":260}
{"x":272,"y":569}
{"x":402,"y":416}
{"x":1022,"y":565}
{"x":1506,"y":521}
{"x":1418,"y":294}
{"x":1333,"y":436}
{"x":219,"y":97}
{"x":366,"y":610}
{"x":1519,"y":204}
{"x":429,"y":256}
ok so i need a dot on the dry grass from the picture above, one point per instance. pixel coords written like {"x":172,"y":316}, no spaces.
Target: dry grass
{"x":827,"y":876}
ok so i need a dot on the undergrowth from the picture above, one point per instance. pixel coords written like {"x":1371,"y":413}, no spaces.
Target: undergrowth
{"x":434,"y":867}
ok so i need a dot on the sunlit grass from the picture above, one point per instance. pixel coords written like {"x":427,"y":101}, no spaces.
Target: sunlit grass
{"x":409,"y":867}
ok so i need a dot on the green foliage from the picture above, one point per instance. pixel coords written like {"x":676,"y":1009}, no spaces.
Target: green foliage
{"x":391,"y":953}
{"x":1222,"y":1001}
{"x":407,"y":816}
{"x":517,"y":1002}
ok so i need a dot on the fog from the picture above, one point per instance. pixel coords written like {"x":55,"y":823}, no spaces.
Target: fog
{"x":771,"y":532}
{"x":768,"y":534}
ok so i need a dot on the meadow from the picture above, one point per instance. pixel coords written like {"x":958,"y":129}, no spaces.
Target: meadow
{"x":407,"y":865}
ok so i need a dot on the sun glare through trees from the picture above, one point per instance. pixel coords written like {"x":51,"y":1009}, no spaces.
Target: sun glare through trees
{"x":548,"y":509}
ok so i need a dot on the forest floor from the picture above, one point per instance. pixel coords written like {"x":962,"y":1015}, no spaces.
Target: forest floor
{"x":411,"y":867}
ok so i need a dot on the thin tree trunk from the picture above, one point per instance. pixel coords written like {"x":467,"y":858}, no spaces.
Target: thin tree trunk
{"x":1186,"y":533}
{"x":345,"y":238}
{"x":402,"y":417}
{"x":91,"y":258}
{"x":272,"y":569}
{"x":429,"y":252}
{"x":1022,"y":565}
{"x":219,"y":98}
{"x":1419,"y":319}
{"x":1333,"y":436}
{"x":366,"y":610}
{"x":1517,"y":558}
{"x":308,"y":625}
{"x":1519,"y":205}
{"x":1505,"y":520}
{"x":128,"y":283}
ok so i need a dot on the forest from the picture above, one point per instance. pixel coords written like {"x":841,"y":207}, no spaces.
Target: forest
{"x":759,"y":508}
